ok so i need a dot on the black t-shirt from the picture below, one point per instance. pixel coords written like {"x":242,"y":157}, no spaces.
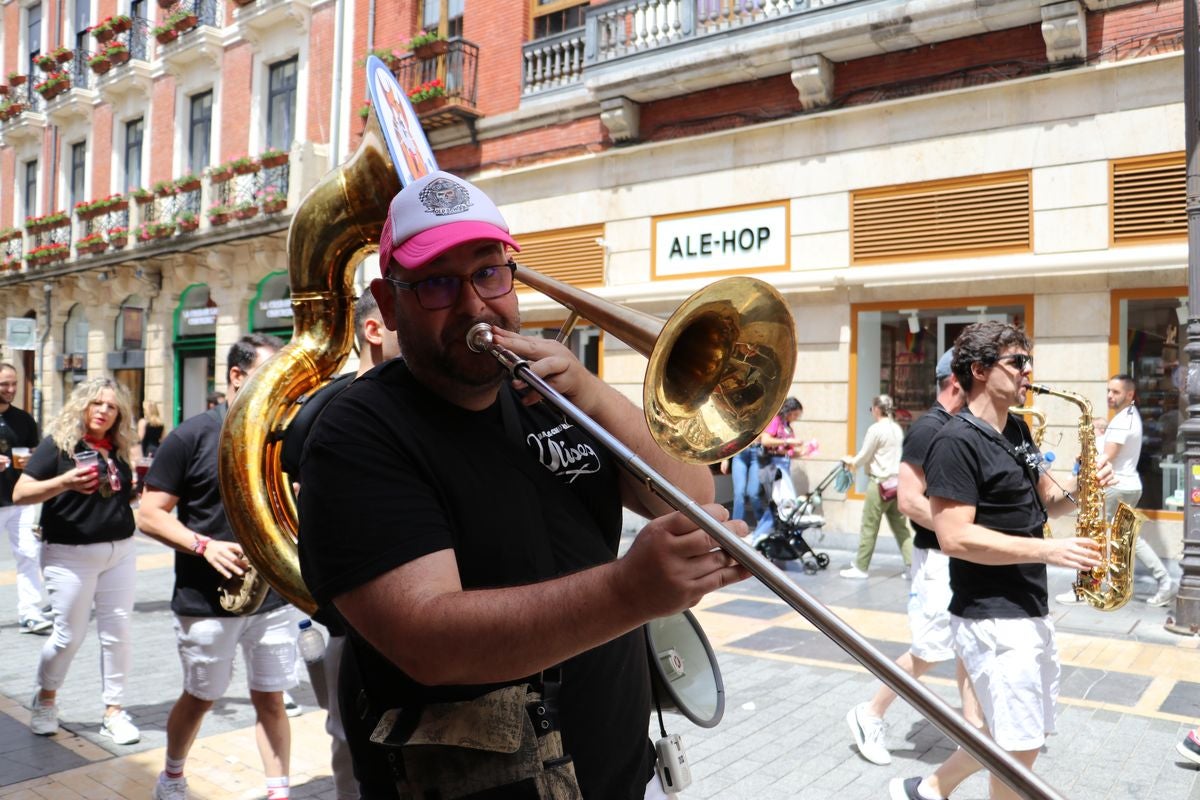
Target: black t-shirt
{"x":17,"y":429}
{"x":151,"y":439}
{"x":75,"y":518}
{"x":392,"y":473}
{"x":916,"y":447}
{"x":186,"y":466}
{"x":969,"y":462}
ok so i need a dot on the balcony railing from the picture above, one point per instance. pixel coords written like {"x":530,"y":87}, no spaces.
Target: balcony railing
{"x":456,"y":68}
{"x":616,"y":29}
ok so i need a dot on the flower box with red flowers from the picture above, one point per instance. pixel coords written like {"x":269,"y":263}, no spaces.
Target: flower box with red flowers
{"x":9,"y":234}
{"x":149,"y":231}
{"x":63,"y":54}
{"x":117,"y":53}
{"x":118,"y":237}
{"x":244,"y":165}
{"x":92,"y":243}
{"x":187,"y":183}
{"x":187,"y":221}
{"x":46,"y":62}
{"x":103,"y":32}
{"x":245,"y":211}
{"x":121,"y":23}
{"x":217,"y":214}
{"x":53,"y":86}
{"x":15,"y":79}
{"x":164,"y":188}
{"x":165,"y":34}
{"x":428,"y":45}
{"x":100,"y":63}
{"x":219,"y":174}
{"x":141,"y":196}
{"x":184,"y":21}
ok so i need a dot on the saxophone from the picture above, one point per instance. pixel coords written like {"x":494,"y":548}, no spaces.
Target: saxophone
{"x":1110,"y":585}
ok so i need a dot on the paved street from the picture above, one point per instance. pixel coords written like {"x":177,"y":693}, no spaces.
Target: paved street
{"x":1129,"y":692}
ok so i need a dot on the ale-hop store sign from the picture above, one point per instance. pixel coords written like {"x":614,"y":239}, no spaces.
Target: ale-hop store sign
{"x":729,"y":240}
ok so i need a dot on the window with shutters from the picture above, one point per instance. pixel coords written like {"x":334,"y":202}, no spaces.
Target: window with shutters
{"x":1149,"y":199}
{"x":571,"y":255}
{"x":977,"y":215}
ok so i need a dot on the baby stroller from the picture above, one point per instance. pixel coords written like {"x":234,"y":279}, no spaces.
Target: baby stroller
{"x":793,"y":516}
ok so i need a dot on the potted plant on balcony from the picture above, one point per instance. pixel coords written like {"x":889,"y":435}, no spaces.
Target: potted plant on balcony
{"x":187,"y":221}
{"x":165,"y":34}
{"x":272,"y":200}
{"x":92,"y":243}
{"x":388,"y":57}
{"x":149,"y":231}
{"x":100,"y":63}
{"x":86,"y":209}
{"x":142,"y":196}
{"x":118,"y":237}
{"x":220,"y":173}
{"x":428,"y":45}
{"x":63,"y":54}
{"x":53,"y":86}
{"x":103,"y":31}
{"x":46,"y":62}
{"x":245,"y":210}
{"x":184,"y":20}
{"x":15,"y":79}
{"x":121,"y":23}
{"x":428,"y":96}
{"x":273,"y":158}
{"x":9,"y":234}
{"x":117,"y":53}
{"x":187,"y":183}
{"x":3,"y":90}
{"x":163,"y":188}
{"x":244,"y":165}
{"x":217,"y":214}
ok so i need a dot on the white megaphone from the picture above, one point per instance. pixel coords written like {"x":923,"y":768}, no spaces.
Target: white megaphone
{"x":684,"y":673}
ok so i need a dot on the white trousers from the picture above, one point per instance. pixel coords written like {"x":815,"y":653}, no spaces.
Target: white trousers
{"x":26,"y":549}
{"x":78,"y":576}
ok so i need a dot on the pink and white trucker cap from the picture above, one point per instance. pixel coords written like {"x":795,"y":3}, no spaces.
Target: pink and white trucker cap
{"x":434,"y":214}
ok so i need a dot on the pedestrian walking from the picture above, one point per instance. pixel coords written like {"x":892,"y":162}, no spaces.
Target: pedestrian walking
{"x":184,"y":477}
{"x":929,"y":598}
{"x":80,"y":474}
{"x":990,"y":502}
{"x":18,"y":436}
{"x":880,"y":455}
{"x":779,"y":443}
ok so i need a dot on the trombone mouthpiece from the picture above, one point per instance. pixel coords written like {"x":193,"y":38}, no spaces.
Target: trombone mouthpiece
{"x":479,"y":338}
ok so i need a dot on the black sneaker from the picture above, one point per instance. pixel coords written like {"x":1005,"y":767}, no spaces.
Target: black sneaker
{"x":905,"y":789}
{"x":1189,"y":748}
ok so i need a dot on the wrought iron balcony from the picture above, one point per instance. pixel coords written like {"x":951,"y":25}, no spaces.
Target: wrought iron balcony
{"x":456,"y":72}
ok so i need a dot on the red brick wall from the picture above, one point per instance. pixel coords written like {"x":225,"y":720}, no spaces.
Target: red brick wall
{"x":1106,"y":28}
{"x":102,"y":149}
{"x":236,"y":74}
{"x":162,"y":140}
{"x":321,"y":45}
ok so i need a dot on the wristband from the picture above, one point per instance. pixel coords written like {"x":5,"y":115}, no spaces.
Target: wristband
{"x":200,"y":544}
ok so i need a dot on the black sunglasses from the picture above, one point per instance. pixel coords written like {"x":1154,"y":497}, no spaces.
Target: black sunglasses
{"x":1018,"y":360}
{"x":434,"y":294}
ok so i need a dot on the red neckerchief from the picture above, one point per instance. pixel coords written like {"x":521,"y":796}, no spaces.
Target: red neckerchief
{"x":98,"y":444}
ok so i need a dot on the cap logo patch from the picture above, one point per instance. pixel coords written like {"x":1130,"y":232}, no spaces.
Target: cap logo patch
{"x":443,"y":197}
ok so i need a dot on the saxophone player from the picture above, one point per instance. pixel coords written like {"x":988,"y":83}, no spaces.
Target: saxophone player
{"x":989,"y":501}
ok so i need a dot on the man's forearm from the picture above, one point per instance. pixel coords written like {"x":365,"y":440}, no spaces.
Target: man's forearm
{"x":165,"y":527}
{"x":493,"y":635}
{"x":981,"y":545}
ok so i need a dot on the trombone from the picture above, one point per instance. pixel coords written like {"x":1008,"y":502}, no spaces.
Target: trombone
{"x":697,"y":361}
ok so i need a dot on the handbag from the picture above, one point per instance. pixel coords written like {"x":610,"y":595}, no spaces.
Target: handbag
{"x":888,"y":489}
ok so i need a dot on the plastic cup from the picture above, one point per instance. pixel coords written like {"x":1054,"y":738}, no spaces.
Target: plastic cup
{"x":20,"y":457}
{"x":87,"y":458}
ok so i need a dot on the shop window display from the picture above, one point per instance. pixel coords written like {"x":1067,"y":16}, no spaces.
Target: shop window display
{"x":1151,"y":335}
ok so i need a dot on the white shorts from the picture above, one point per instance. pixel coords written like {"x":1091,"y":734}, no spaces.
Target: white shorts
{"x":1013,"y":666}
{"x":207,"y":646}
{"x":928,"y":604}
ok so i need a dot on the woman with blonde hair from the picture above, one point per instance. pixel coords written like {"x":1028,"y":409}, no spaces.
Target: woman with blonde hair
{"x":150,"y":429}
{"x":880,"y":454}
{"x":80,"y":473}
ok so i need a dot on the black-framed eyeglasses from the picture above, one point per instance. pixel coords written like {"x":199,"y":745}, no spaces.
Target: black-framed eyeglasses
{"x":434,"y":294}
{"x":1018,"y":361}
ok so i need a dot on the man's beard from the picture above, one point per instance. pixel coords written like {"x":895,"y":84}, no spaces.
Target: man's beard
{"x":450,"y":359}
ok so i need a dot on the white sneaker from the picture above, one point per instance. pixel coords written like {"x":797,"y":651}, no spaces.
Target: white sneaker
{"x":291,"y":707}
{"x":854,"y":573}
{"x":44,"y":717}
{"x":120,"y":728}
{"x":1068,"y":598}
{"x":170,"y":789}
{"x":868,"y":735}
{"x":1162,"y":597}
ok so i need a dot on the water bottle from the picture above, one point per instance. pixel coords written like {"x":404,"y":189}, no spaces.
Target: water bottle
{"x":312,"y":649}
{"x":311,"y":642}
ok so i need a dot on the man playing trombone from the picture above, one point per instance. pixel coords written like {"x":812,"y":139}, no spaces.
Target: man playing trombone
{"x":989,"y":500}
{"x":468,"y":534}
